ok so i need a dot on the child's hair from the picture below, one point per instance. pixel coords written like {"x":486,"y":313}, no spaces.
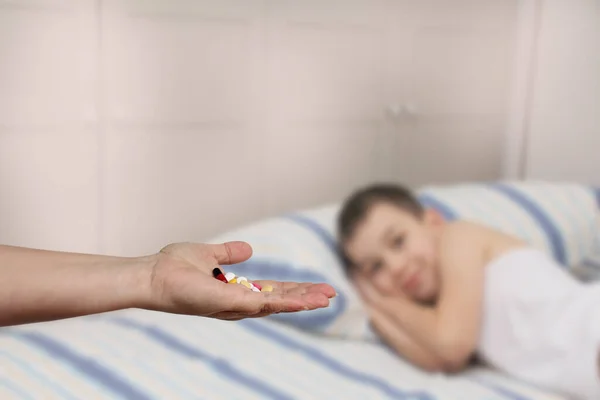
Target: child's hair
{"x":357,"y":206}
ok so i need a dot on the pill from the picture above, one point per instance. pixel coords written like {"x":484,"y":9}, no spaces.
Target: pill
{"x":241,"y":278}
{"x":255,"y":289}
{"x":256,"y":285}
{"x":233,"y":281}
{"x":229,"y":276}
{"x":219,"y":275}
{"x":245,"y":283}
{"x":267,"y":288}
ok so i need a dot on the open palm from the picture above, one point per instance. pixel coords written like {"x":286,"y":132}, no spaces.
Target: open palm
{"x":182,"y":283}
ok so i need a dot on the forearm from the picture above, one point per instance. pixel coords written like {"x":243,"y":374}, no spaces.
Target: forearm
{"x":425,"y":326}
{"x":417,"y":320}
{"x":403,"y":344}
{"x":38,"y":285}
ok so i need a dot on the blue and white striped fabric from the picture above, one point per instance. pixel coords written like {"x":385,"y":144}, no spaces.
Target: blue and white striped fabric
{"x":302,"y":248}
{"x":560,"y":218}
{"x":142,"y":355}
{"x":146,"y":355}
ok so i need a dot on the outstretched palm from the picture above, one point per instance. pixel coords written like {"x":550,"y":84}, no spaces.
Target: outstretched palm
{"x":182,"y":283}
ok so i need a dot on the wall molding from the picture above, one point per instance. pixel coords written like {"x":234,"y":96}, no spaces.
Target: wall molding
{"x":524,"y":71}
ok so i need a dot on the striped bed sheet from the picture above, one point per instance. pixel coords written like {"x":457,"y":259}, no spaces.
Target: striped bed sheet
{"x":136,"y":354}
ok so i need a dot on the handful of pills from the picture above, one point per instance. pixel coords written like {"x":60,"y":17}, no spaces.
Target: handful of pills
{"x":241,"y":280}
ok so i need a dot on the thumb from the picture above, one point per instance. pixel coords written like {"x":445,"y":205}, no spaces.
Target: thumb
{"x":231,"y":252}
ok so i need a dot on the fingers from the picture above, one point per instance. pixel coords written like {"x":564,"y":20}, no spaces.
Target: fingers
{"x":236,"y":316}
{"x":234,"y":302}
{"x":367,"y":290}
{"x":292,"y":302}
{"x":299,"y":287}
{"x":258,"y":305}
{"x":321,"y":288}
{"x":231,"y":252}
{"x":360,"y":286}
{"x":298,"y":298}
{"x":276,"y":285}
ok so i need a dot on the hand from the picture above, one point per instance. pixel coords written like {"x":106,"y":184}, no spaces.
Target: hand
{"x":375,"y":301}
{"x":371,"y":297}
{"x":368,"y":292}
{"x":182,"y":283}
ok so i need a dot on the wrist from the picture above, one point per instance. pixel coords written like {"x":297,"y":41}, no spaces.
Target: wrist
{"x":137,"y":281}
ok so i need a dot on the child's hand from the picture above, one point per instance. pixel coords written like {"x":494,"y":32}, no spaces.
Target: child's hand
{"x":373,"y":296}
{"x":368,"y":292}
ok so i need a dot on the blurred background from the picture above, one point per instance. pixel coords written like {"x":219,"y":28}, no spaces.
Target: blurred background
{"x":129,"y":124}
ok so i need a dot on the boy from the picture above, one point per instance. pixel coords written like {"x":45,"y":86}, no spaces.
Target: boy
{"x":441,"y":292}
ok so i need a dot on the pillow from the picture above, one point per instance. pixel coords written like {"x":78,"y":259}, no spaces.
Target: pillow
{"x":588,"y":269}
{"x":302,"y":247}
{"x":561,"y":219}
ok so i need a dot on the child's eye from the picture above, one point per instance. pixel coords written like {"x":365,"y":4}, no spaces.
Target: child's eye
{"x":398,"y":241}
{"x":375,"y":267}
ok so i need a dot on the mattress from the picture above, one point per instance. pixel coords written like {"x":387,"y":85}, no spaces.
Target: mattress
{"x":137,"y":354}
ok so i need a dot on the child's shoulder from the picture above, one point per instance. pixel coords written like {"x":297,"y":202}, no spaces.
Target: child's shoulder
{"x":463,"y":227}
{"x":460,"y":229}
{"x":460,"y":233}
{"x":463,"y":236}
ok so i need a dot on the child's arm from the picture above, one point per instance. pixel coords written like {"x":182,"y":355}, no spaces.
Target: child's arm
{"x":393,"y":335}
{"x":451,"y":330}
{"x":403,"y":344}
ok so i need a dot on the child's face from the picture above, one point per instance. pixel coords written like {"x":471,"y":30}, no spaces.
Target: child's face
{"x":397,"y":252}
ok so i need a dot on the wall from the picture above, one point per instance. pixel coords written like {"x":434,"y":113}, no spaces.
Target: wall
{"x":128,"y":124}
{"x":557,"y":137}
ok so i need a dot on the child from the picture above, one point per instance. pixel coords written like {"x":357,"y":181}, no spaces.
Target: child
{"x":441,"y":292}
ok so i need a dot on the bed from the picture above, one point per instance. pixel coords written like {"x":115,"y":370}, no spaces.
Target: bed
{"x":137,"y":354}
{"x":325,"y":354}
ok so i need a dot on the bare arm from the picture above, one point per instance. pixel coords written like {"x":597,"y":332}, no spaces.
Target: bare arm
{"x":39,"y":285}
{"x":393,"y":334}
{"x":451,"y":330}
{"x":403,"y":344}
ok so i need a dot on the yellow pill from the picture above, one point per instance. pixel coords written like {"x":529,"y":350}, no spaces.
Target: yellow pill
{"x":267,"y":288}
{"x":245,"y":283}
{"x":233,"y":281}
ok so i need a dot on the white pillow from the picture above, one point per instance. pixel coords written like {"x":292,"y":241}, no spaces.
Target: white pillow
{"x":559,"y":218}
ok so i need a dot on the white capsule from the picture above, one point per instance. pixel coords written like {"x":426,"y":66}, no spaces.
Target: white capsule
{"x":241,"y":278}
{"x":229,"y":276}
{"x":255,"y":289}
